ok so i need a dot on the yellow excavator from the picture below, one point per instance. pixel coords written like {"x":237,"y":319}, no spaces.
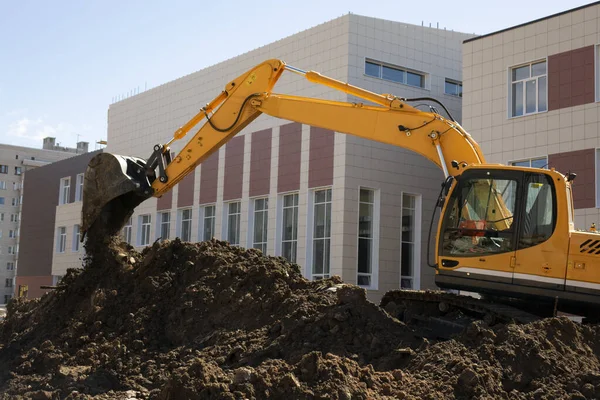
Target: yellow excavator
{"x":504,"y":232}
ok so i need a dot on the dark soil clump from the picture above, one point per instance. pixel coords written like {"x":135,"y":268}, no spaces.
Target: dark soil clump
{"x":213,"y":321}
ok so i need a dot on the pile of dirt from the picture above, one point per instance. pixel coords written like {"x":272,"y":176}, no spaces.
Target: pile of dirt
{"x":213,"y":321}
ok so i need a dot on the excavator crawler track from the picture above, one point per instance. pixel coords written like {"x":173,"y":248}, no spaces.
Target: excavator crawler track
{"x":441,"y":315}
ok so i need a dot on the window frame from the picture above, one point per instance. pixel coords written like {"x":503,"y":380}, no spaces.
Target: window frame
{"x":280,"y":228}
{"x":202,"y":219}
{"x":530,"y":159}
{"x":65,"y":190}
{"x":127,"y":230}
{"x":75,"y":247}
{"x":144,"y":226}
{"x":405,"y":71}
{"x":374,"y":239}
{"x":226,"y":219}
{"x":161,"y":224}
{"x":3,"y":169}
{"x":416,"y":243}
{"x":311,"y":239}
{"x":79,"y":187}
{"x":188,"y":222}
{"x":459,"y":85}
{"x":61,"y":239}
{"x":252,"y":243}
{"x":536,"y":78}
{"x":18,"y":171}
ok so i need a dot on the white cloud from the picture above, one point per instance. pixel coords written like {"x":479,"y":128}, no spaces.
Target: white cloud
{"x":37,"y":129}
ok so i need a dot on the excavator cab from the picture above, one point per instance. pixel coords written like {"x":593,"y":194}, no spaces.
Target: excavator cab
{"x":498,"y":227}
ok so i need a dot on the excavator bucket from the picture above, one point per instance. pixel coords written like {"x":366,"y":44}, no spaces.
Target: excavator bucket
{"x":113,"y":186}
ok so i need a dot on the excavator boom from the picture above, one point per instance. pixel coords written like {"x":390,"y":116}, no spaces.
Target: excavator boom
{"x":115,"y":183}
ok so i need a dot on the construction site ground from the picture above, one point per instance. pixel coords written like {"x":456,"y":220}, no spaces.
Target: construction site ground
{"x":213,"y":321}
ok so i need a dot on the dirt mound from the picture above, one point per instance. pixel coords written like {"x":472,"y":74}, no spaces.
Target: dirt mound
{"x":211,"y":321}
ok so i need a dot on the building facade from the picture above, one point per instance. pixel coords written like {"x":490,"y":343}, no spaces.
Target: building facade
{"x":531,"y":99}
{"x":49,"y":193}
{"x":333,"y":203}
{"x":15,"y":163}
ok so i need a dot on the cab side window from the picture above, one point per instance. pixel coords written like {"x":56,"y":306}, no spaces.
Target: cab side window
{"x":539,"y":213}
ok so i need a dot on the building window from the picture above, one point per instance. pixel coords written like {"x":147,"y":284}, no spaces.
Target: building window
{"x":164,"y":225}
{"x":2,"y":201}
{"x":76,"y":238}
{"x":261,"y":215}
{"x":208,"y":222}
{"x":366,"y":237}
{"x":14,"y":217}
{"x":8,"y":282}
{"x":394,"y":73}
{"x":539,"y":162}
{"x":453,"y":88}
{"x":407,"y":249}
{"x":16,"y":186}
{"x":1,"y":217}
{"x":65,"y":190}
{"x":2,"y":185}
{"x":145,"y":221}
{"x":321,"y":234}
{"x":528,"y":89}
{"x":127,"y":231}
{"x":17,"y":170}
{"x":15,"y":201}
{"x":79,"y":188}
{"x":62,"y":239}
{"x":12,"y":234}
{"x":289,"y":237}
{"x":186,"y":225}
{"x":3,"y":169}
{"x":234,"y":211}
{"x":10,"y":266}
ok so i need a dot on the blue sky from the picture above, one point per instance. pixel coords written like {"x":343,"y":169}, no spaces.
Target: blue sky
{"x":62,"y":62}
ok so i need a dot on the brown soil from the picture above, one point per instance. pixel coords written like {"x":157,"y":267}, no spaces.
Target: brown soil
{"x":211,"y":321}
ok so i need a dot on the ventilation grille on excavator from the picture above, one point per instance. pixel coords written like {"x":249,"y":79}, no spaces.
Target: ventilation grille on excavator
{"x":590,"y":247}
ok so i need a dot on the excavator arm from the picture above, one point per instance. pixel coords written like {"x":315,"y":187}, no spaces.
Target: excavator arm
{"x":114,"y":185}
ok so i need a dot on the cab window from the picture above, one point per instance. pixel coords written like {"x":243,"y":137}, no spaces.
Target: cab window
{"x":479,"y":218}
{"x":539,"y":214}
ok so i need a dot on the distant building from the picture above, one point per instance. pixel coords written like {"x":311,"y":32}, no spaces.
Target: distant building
{"x":50,"y":144}
{"x":50,"y":193}
{"x":15,"y":164}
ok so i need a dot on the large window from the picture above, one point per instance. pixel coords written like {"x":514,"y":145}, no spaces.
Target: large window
{"x":321,"y":234}
{"x":3,"y":169}
{"x":261,"y":214}
{"x":394,"y":73}
{"x":208,"y":222}
{"x":76,"y":237}
{"x":79,"y":188}
{"x":479,"y":217}
{"x":366,"y":235}
{"x":164,"y":228}
{"x":408,"y":239}
{"x":65,"y":190}
{"x":127,"y":231}
{"x":145,"y":221}
{"x":10,"y":266}
{"x":289,"y":237}
{"x":539,"y":162}
{"x":18,"y":170}
{"x":529,"y":89}
{"x":186,"y":225}
{"x":234,"y":211}
{"x":61,"y":239}
{"x":2,"y":185}
{"x":8,"y":282}
{"x":453,"y":88}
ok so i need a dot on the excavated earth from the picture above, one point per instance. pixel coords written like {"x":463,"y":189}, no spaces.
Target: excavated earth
{"x":212,"y":321}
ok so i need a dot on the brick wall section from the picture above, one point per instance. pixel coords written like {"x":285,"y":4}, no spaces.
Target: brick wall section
{"x":290,"y":147}
{"x":40,"y":198}
{"x":234,"y":169}
{"x":583,"y":163}
{"x":320,"y":167}
{"x":209,"y":173}
{"x":165,"y":202}
{"x":571,"y":78}
{"x":185,"y":191}
{"x":260,"y":163}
